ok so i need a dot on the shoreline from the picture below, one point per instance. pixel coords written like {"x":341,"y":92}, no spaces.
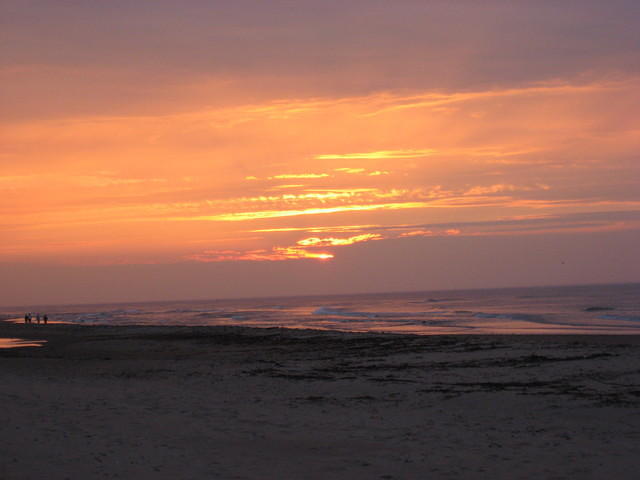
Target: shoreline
{"x":54,"y":330}
{"x":259,"y":403}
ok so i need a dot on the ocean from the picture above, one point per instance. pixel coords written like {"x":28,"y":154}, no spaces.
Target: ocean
{"x":593,"y":309}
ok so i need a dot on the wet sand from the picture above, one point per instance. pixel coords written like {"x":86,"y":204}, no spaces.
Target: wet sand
{"x":241,"y":403}
{"x":18,"y":342}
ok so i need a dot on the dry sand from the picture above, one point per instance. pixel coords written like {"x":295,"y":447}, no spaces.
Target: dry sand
{"x":240,"y":403}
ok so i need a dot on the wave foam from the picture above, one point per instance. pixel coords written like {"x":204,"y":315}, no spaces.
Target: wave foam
{"x":341,"y":312}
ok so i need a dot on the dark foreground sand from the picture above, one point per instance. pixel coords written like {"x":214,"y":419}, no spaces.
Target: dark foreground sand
{"x":236,"y":403}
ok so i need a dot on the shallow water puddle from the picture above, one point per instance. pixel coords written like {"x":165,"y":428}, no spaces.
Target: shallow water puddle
{"x":20,"y":342}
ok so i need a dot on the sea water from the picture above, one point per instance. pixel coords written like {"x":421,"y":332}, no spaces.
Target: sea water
{"x":595,"y":309}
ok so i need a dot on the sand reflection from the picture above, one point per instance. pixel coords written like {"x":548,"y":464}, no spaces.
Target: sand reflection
{"x":20,"y":342}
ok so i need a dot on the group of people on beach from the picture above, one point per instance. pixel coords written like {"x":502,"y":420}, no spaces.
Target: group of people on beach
{"x":28,"y":318}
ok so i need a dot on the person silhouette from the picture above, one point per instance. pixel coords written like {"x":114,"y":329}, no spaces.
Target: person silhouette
{"x":45,"y":319}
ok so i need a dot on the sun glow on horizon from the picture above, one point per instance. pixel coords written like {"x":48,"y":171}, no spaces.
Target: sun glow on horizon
{"x":489,"y":157}
{"x":272,"y":255}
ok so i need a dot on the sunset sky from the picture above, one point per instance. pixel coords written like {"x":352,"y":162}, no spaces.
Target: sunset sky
{"x":156,"y":149}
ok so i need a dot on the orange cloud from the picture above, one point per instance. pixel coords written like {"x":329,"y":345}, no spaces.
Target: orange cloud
{"x":299,"y":175}
{"x":381,"y":154}
{"x":334,"y":242}
{"x":244,"y":216}
{"x":439,"y":99}
{"x":417,"y":233}
{"x":188,"y":180}
{"x":275,"y":254}
{"x":500,"y":188}
{"x":430,"y":233}
{"x":325,"y":229}
{"x":286,"y":187}
{"x":306,"y":248}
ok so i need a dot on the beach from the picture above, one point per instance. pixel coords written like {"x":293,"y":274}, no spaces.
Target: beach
{"x":247,"y":403}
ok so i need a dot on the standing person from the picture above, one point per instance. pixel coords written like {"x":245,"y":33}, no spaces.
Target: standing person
{"x":26,"y":318}
{"x":38,"y":318}
{"x":45,"y":319}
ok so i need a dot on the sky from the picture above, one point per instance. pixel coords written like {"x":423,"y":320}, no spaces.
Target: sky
{"x":157,"y":149}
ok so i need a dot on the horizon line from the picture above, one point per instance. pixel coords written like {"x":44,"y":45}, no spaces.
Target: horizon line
{"x":265,"y":297}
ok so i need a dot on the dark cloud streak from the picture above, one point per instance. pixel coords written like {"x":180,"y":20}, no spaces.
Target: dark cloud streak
{"x":145,"y":48}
